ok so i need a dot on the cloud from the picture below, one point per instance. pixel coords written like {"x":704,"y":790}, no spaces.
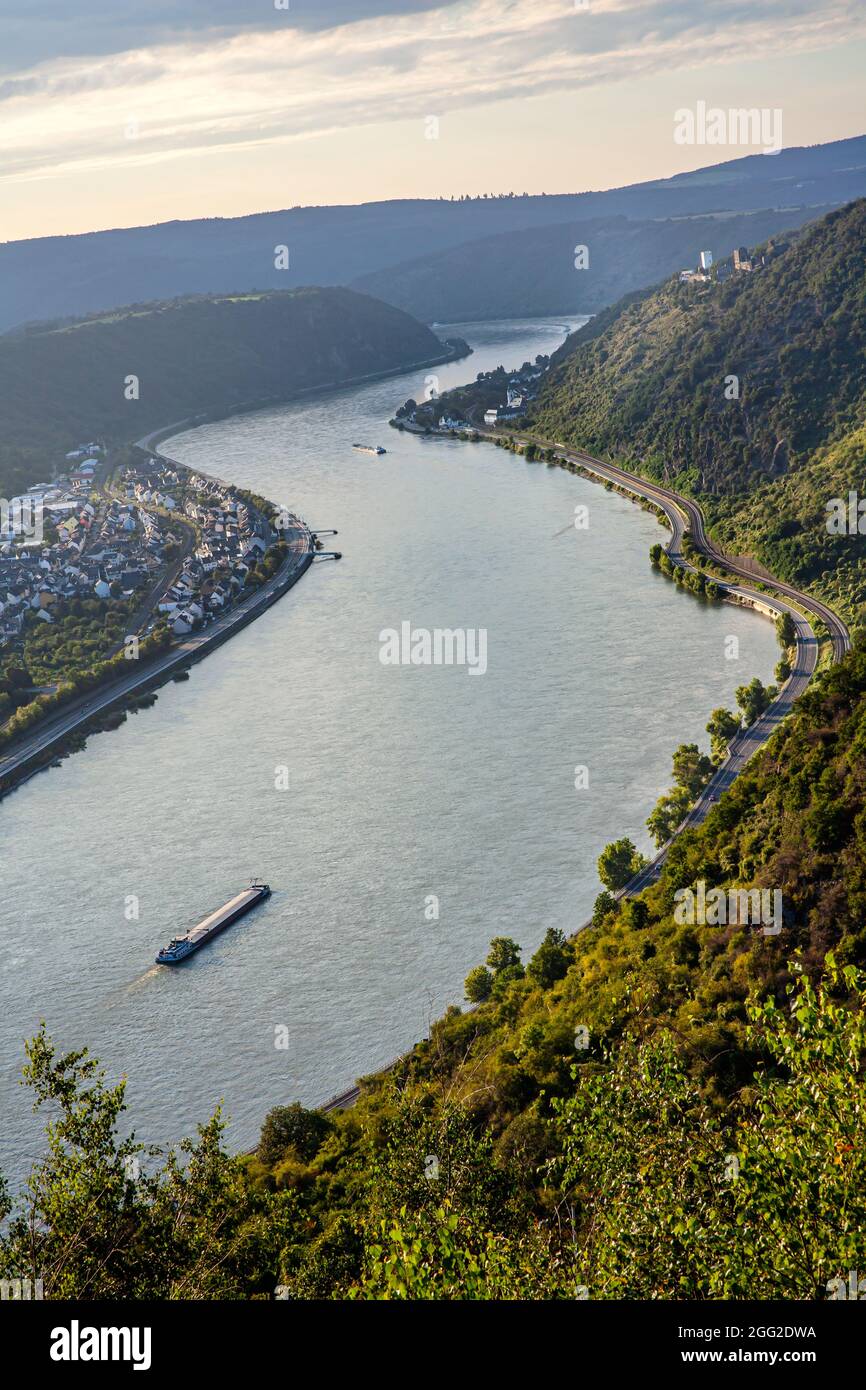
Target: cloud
{"x":282,"y":82}
{"x":36,"y":31}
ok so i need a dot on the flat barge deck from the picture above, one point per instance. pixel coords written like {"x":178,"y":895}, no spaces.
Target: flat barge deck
{"x":184,"y":946}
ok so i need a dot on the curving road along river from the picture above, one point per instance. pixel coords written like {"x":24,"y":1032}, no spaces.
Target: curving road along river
{"x":685,"y":515}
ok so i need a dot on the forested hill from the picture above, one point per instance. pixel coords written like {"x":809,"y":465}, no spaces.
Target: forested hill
{"x":532,"y":270}
{"x":647,"y":378}
{"x":63,"y":382}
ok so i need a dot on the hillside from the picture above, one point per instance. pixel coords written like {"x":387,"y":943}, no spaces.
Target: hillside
{"x":649,"y":380}
{"x":521,"y":273}
{"x":52,"y":277}
{"x":65,"y":381}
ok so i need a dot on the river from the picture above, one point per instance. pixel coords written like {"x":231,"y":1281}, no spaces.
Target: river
{"x":403,"y":815}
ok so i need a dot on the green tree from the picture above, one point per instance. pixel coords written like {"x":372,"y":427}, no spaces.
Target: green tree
{"x":635,"y":913}
{"x":619,"y":862}
{"x":754,"y":698}
{"x":721,"y":728}
{"x":447,"y":1217}
{"x":503,"y":978}
{"x":478,"y":984}
{"x":98,"y":1219}
{"x":639,"y":1153}
{"x":292,"y":1129}
{"x":551,"y":960}
{"x":692,"y":769}
{"x":667,"y":814}
{"x":503,"y":953}
{"x":786,"y":630}
{"x":659,"y":1180}
{"x":603,"y":906}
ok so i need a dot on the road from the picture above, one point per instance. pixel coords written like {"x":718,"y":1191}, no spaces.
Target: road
{"x":685,"y":516}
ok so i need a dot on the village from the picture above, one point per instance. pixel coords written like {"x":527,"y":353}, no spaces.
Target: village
{"x":468,"y":406}
{"x":184,"y":543}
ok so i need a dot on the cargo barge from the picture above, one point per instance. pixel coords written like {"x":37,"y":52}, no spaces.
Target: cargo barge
{"x":183,"y":946}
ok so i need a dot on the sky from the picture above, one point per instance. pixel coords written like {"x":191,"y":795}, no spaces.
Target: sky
{"x":115,"y":114}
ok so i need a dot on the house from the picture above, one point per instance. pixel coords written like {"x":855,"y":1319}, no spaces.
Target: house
{"x":492,"y":415}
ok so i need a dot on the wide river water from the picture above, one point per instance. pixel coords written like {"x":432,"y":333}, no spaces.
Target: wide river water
{"x":404,"y":784}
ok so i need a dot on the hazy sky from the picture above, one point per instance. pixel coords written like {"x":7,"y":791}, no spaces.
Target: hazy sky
{"x":115,"y":114}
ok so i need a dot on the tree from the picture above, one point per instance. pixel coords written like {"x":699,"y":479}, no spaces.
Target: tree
{"x":503,"y":978}
{"x":94,"y":1223}
{"x":619,"y":862}
{"x":669,"y":812}
{"x":786,"y":630}
{"x":635,"y":913}
{"x":661,"y":1181}
{"x":754,"y":698}
{"x":603,"y":906}
{"x":478,"y":984}
{"x":551,"y":960}
{"x":692,"y":769}
{"x":292,"y":1128}
{"x":447,"y":1217}
{"x":721,"y":728}
{"x":503,"y":953}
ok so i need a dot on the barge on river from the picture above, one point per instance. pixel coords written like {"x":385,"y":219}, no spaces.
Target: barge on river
{"x":183,"y":946}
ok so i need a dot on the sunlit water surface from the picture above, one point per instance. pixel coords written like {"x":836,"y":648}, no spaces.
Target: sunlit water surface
{"x":405,"y":783}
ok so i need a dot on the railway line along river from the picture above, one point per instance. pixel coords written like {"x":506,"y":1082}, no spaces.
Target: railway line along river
{"x":403,"y":815}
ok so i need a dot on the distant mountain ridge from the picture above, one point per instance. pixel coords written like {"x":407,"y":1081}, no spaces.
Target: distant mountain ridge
{"x":520,"y":273}
{"x":63,"y":382}
{"x":54,"y":277}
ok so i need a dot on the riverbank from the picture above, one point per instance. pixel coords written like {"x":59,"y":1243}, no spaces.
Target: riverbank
{"x":61,"y":735}
{"x":682,"y":517}
{"x":150,"y":441}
